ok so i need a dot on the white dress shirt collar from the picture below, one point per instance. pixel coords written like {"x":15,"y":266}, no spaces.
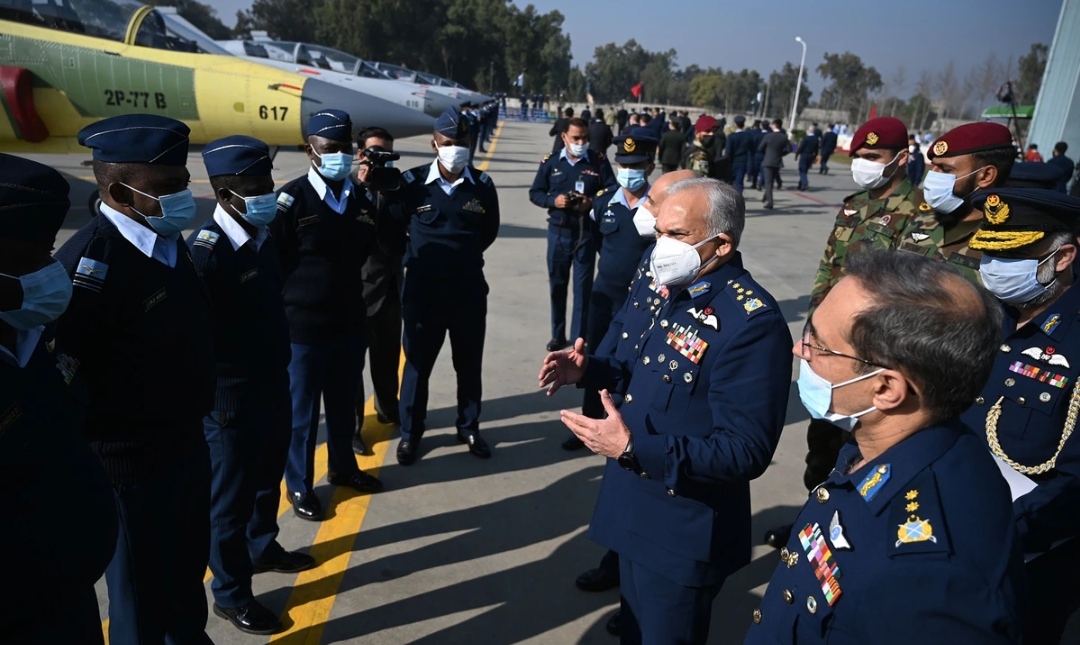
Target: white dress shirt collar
{"x":149,"y":243}
{"x":435,"y":176}
{"x":236,"y":233}
{"x":333,"y":201}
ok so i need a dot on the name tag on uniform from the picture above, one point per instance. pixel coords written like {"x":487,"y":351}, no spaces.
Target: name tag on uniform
{"x":423,"y":209}
{"x":153,"y":300}
{"x":879,"y":229}
{"x":304,"y":221}
{"x":964,"y":261}
{"x":10,"y":417}
{"x":247,"y":275}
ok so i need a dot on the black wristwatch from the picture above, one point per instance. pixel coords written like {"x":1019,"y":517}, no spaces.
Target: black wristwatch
{"x":628,"y":460}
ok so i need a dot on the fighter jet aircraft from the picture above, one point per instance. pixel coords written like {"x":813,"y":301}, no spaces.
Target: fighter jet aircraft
{"x":67,"y":63}
{"x":457,"y":91}
{"x":340,"y":68}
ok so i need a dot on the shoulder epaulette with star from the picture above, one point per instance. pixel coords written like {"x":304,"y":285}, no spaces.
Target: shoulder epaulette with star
{"x":916,"y":522}
{"x":745,"y":296}
{"x":546,"y":157}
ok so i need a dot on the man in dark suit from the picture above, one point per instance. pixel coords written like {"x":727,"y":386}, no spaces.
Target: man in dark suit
{"x":671,"y":147}
{"x":621,"y":117}
{"x":558,"y":128}
{"x":695,"y":426}
{"x":739,"y":150}
{"x":599,"y":134}
{"x":828,"y":146}
{"x":775,"y":145}
{"x":806,"y":151}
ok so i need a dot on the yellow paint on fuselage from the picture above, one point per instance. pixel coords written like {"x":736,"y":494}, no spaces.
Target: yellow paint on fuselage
{"x":229,"y":93}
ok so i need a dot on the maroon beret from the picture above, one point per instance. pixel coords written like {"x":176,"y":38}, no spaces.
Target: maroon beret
{"x":971,"y":137}
{"x":704,"y":123}
{"x":882,"y":132}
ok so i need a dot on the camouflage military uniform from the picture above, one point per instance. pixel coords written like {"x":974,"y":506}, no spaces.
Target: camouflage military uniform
{"x":876,"y":223}
{"x":697,"y":159}
{"x":927,"y":237}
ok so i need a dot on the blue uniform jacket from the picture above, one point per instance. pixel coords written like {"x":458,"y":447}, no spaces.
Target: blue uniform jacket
{"x":619,"y":243}
{"x":916,"y":546}
{"x":705,"y":402}
{"x":1036,"y":376}
{"x":556,"y":176}
{"x":627,"y":329}
{"x":740,"y":147}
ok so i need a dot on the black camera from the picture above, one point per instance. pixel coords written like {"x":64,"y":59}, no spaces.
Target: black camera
{"x":379,"y":176}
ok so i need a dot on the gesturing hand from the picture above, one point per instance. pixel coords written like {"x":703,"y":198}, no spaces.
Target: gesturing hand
{"x":564,"y":367}
{"x":606,"y":437}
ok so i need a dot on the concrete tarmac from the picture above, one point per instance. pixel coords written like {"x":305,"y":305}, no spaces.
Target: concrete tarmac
{"x":462,"y":550}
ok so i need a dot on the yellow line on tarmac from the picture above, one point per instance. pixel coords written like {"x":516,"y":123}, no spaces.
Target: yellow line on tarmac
{"x":315,"y":590}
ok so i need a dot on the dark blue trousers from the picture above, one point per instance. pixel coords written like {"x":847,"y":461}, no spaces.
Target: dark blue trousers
{"x":433,"y":307}
{"x":602,"y":309}
{"x":155,"y":578}
{"x":659,"y":611}
{"x":755,"y":168}
{"x":248,"y":449}
{"x":804,"y":166}
{"x":738,"y":172}
{"x":568,"y":248}
{"x":332,"y":372}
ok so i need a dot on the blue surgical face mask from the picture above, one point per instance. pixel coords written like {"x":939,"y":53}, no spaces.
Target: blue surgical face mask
{"x":177,"y":212}
{"x":46,"y":294}
{"x":816,"y":395}
{"x":335,"y":165}
{"x":1013,"y":281}
{"x":259,"y":210}
{"x":938,"y":191}
{"x":630,"y":178}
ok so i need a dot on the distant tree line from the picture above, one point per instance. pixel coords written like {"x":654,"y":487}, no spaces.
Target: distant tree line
{"x":487,"y":44}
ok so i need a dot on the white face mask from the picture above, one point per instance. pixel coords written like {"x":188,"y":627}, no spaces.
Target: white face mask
{"x":675,"y":263}
{"x":869,"y":175}
{"x":645,"y":222}
{"x":576,"y":149}
{"x":454,"y":158}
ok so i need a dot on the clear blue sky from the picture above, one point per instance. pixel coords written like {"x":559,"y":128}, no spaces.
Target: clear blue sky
{"x":915,"y":34}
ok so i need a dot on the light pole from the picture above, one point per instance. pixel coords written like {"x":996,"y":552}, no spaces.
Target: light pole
{"x":798,"y":83}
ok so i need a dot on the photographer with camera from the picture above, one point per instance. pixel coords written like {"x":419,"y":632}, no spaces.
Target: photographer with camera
{"x":564,"y":185}
{"x":382,"y":276}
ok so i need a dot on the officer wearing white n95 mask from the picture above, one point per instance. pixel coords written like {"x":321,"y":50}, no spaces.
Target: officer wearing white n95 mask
{"x":1026,"y":412}
{"x":701,"y":417}
{"x":965,"y":159}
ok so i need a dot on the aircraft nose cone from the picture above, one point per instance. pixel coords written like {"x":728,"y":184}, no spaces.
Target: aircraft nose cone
{"x":365,"y":110}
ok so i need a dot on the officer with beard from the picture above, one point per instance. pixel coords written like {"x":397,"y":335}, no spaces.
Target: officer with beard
{"x":965,"y":159}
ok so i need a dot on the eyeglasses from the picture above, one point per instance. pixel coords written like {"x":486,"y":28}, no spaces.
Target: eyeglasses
{"x":807,"y":333}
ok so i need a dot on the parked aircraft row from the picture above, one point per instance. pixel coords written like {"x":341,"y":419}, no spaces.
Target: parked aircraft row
{"x":67,"y":63}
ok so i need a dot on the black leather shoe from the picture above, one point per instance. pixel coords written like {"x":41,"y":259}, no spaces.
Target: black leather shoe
{"x":477,"y":445}
{"x":359,"y":480}
{"x":306,"y":506}
{"x":612,"y":625}
{"x":555,"y":344}
{"x":573,"y":443}
{"x":777,"y":537}
{"x":284,"y":562}
{"x":407,"y":452}
{"x":597,"y":579}
{"x":252,"y":618}
{"x":358,"y":445}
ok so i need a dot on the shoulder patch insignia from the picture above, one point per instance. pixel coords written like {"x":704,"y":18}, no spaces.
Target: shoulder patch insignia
{"x":915,"y":520}
{"x":207,"y":239}
{"x":90,"y":274}
{"x":408,"y":176}
{"x":485,"y":178}
{"x":285,"y":201}
{"x":546,"y":157}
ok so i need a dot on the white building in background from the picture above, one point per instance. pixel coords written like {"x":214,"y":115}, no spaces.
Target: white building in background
{"x":1057,"y":110}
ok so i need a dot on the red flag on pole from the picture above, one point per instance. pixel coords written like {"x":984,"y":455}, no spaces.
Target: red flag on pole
{"x":873,"y":111}
{"x":636,"y":91}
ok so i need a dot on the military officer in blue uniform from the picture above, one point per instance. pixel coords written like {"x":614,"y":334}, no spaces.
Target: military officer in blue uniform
{"x":910,"y":539}
{"x":740,"y":150}
{"x":249,"y":429}
{"x":324,"y":232}
{"x":702,"y":414}
{"x":450,"y":211}
{"x":1027,"y":410}
{"x":138,"y":326}
{"x":565,"y":185}
{"x":56,"y":555}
